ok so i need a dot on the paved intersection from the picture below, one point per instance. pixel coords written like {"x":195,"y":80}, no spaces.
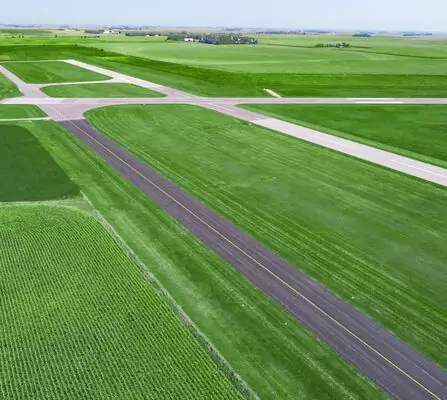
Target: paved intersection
{"x":61,"y":109}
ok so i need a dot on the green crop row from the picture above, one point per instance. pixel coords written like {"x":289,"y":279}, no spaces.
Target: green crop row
{"x":80,"y":320}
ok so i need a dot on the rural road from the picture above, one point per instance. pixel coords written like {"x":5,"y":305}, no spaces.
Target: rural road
{"x":399,"y":370}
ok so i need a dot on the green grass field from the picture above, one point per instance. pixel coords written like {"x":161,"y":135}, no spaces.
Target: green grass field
{"x":281,"y":59}
{"x":321,"y":79}
{"x":416,"y":131}
{"x":81,"y":320}
{"x":422,"y":47}
{"x":7,"y":88}
{"x":216,"y":83}
{"x":52,"y":72}
{"x":103,"y":90}
{"x":11,"y":111}
{"x":373,"y":236}
{"x":274,"y":354}
{"x":27,"y":171}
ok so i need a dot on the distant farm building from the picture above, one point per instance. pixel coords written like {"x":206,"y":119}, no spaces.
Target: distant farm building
{"x":189,"y":39}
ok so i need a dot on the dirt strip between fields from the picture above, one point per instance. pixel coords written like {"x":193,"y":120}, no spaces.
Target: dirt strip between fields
{"x":395,"y":367}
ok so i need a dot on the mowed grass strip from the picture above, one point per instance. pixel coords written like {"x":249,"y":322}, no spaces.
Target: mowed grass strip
{"x":12,"y":111}
{"x":373,"y":236}
{"x":101,"y":90}
{"x":80,"y":320}
{"x":272,"y":352}
{"x":7,"y":88}
{"x":416,"y":131}
{"x":52,"y":72}
{"x":27,"y":171}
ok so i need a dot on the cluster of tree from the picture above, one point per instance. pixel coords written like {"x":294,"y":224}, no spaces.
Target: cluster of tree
{"x":213,"y":38}
{"x":418,"y":34}
{"x":280,"y":33}
{"x":94,"y":31}
{"x":142,"y":33}
{"x":91,"y":37}
{"x":361,"y":35}
{"x":342,"y":45}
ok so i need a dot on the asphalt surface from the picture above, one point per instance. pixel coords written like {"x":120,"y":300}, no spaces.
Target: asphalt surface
{"x":395,"y":367}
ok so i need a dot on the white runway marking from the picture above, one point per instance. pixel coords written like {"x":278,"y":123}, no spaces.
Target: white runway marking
{"x":274,"y":94}
{"x":418,"y":168}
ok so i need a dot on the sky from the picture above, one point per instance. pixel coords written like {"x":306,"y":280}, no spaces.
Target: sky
{"x":428,"y":15}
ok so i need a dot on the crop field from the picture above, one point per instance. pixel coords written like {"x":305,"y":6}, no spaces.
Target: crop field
{"x":82,"y":321}
{"x":52,"y":72}
{"x":416,"y":131}
{"x":324,"y":212}
{"x":11,"y":111}
{"x":27,"y":171}
{"x":52,"y":37}
{"x":7,"y":88}
{"x":114,"y":90}
{"x":275,"y":355}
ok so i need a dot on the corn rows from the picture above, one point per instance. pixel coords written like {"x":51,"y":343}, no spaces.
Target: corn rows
{"x":78,"y":319}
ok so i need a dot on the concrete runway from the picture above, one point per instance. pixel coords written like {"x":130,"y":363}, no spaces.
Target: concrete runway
{"x":390,"y":363}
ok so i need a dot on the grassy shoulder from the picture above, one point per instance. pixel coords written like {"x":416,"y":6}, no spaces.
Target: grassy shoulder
{"x":52,"y":72}
{"x":27,"y":170}
{"x":100,"y":90}
{"x":7,"y":88}
{"x":373,"y":236}
{"x":84,"y":322}
{"x":12,"y":111}
{"x":416,"y":131}
{"x":273,"y":353}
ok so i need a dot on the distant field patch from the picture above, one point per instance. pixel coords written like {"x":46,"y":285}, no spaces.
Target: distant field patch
{"x":92,"y":90}
{"x":11,"y":111}
{"x":52,"y":72}
{"x":80,"y":320}
{"x":7,"y":88}
{"x":416,"y":131}
{"x":422,"y":47}
{"x":27,"y":171}
{"x":281,"y":59}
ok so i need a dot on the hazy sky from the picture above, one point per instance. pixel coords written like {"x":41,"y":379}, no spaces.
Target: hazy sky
{"x":329,"y":14}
